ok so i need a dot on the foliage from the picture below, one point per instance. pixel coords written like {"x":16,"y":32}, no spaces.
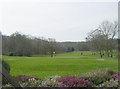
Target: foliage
{"x":74,"y":81}
{"x":32,"y":82}
{"x":111,"y":83}
{"x":24,"y":78}
{"x":70,"y":49}
{"x":18,"y":44}
{"x":98,"y":76}
{"x":7,"y":86}
{"x":27,"y":81}
{"x":51,"y":82}
{"x":116,"y":75}
{"x":6,"y":66}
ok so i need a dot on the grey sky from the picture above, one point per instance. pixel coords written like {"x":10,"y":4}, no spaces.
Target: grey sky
{"x":64,"y":21}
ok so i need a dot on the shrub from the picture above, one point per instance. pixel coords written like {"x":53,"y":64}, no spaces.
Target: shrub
{"x":32,"y":82}
{"x":28,"y":81}
{"x":24,"y":78}
{"x":111,"y":83}
{"x":116,"y":75}
{"x":11,"y":54}
{"x":51,"y":82}
{"x":74,"y":81}
{"x":99,"y":76}
{"x":7,"y":68}
{"x":7,"y":86}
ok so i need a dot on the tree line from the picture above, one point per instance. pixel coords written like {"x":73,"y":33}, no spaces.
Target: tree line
{"x":18,"y":44}
{"x":103,"y":39}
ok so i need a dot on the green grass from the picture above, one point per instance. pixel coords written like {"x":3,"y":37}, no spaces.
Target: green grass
{"x":62,"y":64}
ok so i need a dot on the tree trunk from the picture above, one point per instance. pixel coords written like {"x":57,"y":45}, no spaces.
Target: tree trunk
{"x":111,"y":53}
{"x":101,"y":54}
{"x":51,"y":54}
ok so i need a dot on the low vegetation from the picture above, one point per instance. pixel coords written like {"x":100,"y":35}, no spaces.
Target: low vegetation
{"x":67,"y":81}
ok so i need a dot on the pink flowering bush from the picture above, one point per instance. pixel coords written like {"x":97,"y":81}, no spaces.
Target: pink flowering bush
{"x":74,"y":81}
{"x":116,"y":75}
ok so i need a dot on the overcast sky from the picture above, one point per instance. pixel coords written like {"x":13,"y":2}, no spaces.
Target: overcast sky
{"x":64,"y":21}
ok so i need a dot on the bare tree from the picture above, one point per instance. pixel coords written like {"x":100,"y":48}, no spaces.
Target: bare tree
{"x":96,"y":38}
{"x":52,"y":44}
{"x":110,"y":30}
{"x":103,"y":37}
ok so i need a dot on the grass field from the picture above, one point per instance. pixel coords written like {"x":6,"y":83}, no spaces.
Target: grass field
{"x":62,"y":64}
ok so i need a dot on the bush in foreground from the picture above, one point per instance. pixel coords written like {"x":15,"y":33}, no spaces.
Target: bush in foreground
{"x":116,"y":75}
{"x":51,"y":82}
{"x":24,"y":78}
{"x":74,"y":81}
{"x":98,"y":76}
{"x":28,"y":81}
{"x":111,"y":83}
{"x":6,"y":67}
